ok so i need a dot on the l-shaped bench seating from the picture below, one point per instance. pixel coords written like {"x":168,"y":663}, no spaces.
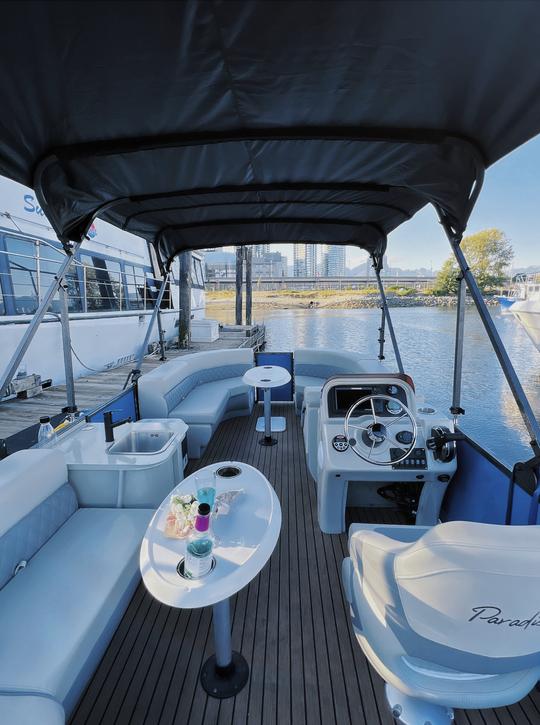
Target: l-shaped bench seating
{"x":205,"y":388}
{"x":67,"y":575}
{"x":202,"y":389}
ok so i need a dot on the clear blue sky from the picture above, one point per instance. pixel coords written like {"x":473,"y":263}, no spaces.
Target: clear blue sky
{"x":509,"y":200}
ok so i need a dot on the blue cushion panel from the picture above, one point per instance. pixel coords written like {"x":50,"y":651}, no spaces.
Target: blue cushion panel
{"x":210,"y":375}
{"x":315,"y":370}
{"x":28,"y":535}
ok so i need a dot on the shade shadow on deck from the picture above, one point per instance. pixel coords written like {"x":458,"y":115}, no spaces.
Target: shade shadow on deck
{"x":291,"y":624}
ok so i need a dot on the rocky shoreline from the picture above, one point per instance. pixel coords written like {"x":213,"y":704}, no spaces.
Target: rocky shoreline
{"x":280,"y":301}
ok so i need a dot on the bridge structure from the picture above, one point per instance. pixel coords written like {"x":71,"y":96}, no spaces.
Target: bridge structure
{"x":264,"y":284}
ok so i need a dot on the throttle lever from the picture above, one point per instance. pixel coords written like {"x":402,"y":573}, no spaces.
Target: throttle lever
{"x":443,"y":443}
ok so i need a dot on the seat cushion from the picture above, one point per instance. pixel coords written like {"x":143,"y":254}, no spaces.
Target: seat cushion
{"x":26,"y":479}
{"x":205,"y":404}
{"x":370,"y":586}
{"x":493,"y":572}
{"x":300,"y":383}
{"x":30,"y":710}
{"x":58,"y":614}
{"x":28,"y":535}
{"x":373,"y":555}
{"x":304,"y":381}
{"x":237,"y":387}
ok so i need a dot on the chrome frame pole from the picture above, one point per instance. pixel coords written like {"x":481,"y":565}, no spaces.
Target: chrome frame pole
{"x":153,"y":318}
{"x":381,"y":335}
{"x":387,"y":315}
{"x":66,"y":345}
{"x":456,"y":408}
{"x":22,"y":347}
{"x":509,"y":372}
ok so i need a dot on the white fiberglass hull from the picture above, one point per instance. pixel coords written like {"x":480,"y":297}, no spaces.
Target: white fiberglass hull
{"x":527,"y":312}
{"x":101,"y":340}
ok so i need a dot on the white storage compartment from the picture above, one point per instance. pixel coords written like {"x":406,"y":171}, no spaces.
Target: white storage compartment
{"x":204,"y":330}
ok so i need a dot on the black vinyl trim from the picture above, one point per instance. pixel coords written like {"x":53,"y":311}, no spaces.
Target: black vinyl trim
{"x":336,"y":202}
{"x":346,"y":133}
{"x":275,"y":220}
{"x":255,"y":187}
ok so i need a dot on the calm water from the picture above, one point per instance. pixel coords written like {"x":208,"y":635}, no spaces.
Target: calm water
{"x":426,"y":341}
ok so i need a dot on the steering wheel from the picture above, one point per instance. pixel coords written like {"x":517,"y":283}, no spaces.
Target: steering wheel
{"x":370,"y":437}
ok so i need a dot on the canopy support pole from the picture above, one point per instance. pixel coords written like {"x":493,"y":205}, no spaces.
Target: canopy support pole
{"x":136,"y":372}
{"x":508,"y":369}
{"x":162,"y":357}
{"x":66,"y":344}
{"x":31,"y":329}
{"x":381,"y":335}
{"x":239,"y":282}
{"x":249,"y":284}
{"x":386,"y":313}
{"x":456,"y":408}
{"x":184,"y":324}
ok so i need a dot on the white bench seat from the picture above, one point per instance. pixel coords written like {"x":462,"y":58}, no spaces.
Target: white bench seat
{"x":30,"y":710}
{"x":58,"y":615}
{"x":202,"y":389}
{"x":204,"y":404}
{"x":60,"y":610}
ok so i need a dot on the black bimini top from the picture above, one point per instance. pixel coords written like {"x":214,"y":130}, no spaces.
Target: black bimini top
{"x":203,"y":124}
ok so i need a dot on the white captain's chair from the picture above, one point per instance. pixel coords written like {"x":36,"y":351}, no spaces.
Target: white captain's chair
{"x":449,"y":616}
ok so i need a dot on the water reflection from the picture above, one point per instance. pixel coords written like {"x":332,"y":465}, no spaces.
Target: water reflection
{"x":426,"y":340}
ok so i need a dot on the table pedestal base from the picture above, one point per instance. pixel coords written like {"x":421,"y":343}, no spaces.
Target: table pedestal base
{"x":222,"y":682}
{"x":225,"y":673}
{"x":277,"y":424}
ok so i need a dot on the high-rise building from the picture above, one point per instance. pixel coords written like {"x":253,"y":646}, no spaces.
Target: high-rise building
{"x":333,"y":260}
{"x":305,"y":260}
{"x":299,"y":260}
{"x":271,"y":264}
{"x":259,"y":250}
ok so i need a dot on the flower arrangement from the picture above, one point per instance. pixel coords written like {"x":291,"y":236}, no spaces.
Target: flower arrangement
{"x":181,"y":516}
{"x":183,"y":511}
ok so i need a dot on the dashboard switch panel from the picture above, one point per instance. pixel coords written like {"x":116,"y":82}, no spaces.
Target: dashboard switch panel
{"x":415,"y":461}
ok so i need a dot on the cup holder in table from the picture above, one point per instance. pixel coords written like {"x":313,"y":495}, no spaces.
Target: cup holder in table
{"x":228,"y":471}
{"x":181,"y":570}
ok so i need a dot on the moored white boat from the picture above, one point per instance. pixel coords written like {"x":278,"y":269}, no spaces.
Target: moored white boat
{"x":526,"y":309}
{"x":111,"y":291}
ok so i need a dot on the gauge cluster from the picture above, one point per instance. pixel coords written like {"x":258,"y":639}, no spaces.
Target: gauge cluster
{"x":342,"y":397}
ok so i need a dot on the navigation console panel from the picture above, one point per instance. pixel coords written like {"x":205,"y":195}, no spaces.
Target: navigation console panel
{"x":342,"y":397}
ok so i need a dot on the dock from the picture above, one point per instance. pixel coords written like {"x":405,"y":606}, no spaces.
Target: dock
{"x":92,"y":391}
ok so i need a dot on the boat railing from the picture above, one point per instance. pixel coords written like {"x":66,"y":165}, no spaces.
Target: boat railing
{"x":27,"y":268}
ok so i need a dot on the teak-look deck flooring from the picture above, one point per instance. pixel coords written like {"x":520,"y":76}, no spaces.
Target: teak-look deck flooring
{"x":291,"y":624}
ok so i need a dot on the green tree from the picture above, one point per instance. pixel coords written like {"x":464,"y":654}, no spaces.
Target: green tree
{"x":489,"y":253}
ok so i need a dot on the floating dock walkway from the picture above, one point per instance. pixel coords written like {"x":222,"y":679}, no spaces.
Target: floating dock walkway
{"x":94,"y":390}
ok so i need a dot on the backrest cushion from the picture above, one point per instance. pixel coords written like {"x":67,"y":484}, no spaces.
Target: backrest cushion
{"x":318,"y":370}
{"x":325,"y":363}
{"x":474,"y":588}
{"x":210,"y":375}
{"x":163,"y":388}
{"x":28,"y":535}
{"x":26,"y":479}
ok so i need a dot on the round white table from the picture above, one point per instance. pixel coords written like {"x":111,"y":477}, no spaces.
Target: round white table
{"x":268,"y":377}
{"x":245,"y":540}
